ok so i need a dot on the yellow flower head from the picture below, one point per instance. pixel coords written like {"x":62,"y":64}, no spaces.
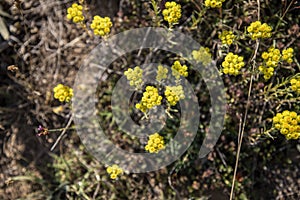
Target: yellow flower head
{"x":295,"y":85}
{"x":287,"y":55}
{"x":227,"y":37}
{"x":63,"y":93}
{"x":179,"y":70}
{"x":172,"y":12}
{"x":150,"y":99}
{"x":162,"y":73}
{"x":287,"y":123}
{"x":203,"y":55}
{"x":259,"y":30}
{"x":101,"y":25}
{"x":174,"y":94}
{"x":75,"y":13}
{"x":155,"y":143}
{"x":135,"y":77}
{"x":271,"y":59}
{"x":114,"y":171}
{"x":213,"y":3}
{"x":232,"y":64}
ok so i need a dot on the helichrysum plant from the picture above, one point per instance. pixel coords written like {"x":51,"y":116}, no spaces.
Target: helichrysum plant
{"x":114,"y":171}
{"x":295,"y":85}
{"x":271,"y":60}
{"x":227,"y":37}
{"x":232,"y":64}
{"x":162,"y":73}
{"x":213,"y":3}
{"x":75,"y":13}
{"x":63,"y":93}
{"x":287,"y":123}
{"x":172,"y":13}
{"x":258,"y":30}
{"x":174,"y":94}
{"x":287,"y":55}
{"x":155,"y":143}
{"x":101,"y":25}
{"x":179,"y":70}
{"x":203,"y":55}
{"x":135,"y":77}
{"x":150,"y":99}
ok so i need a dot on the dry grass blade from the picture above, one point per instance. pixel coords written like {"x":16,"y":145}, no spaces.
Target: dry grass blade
{"x":3,"y":29}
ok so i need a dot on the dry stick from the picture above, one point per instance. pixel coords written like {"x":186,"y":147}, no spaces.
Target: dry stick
{"x":62,"y":133}
{"x":171,"y":185}
{"x":242,"y":130}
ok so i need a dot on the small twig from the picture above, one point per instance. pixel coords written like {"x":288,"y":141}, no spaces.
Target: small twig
{"x":258,"y":10}
{"x":221,"y":156}
{"x":283,"y":15}
{"x":142,"y":46}
{"x":62,"y":133}
{"x":98,"y":185}
{"x":242,"y":130}
{"x":170,"y":183}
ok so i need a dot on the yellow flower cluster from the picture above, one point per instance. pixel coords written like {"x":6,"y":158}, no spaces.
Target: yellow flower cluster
{"x":258,"y":30}
{"x":101,"y":25}
{"x":295,"y":85}
{"x":271,"y":60}
{"x":227,"y":37}
{"x":172,"y":13}
{"x":203,"y":55}
{"x":287,"y":55}
{"x":63,"y":93}
{"x":155,"y":143}
{"x":232,"y":64}
{"x":287,"y":123}
{"x":135,"y":77}
{"x":179,"y":70}
{"x":162,"y":73}
{"x":174,"y":94}
{"x":75,"y":13}
{"x":213,"y":3}
{"x":114,"y":171}
{"x":150,"y":99}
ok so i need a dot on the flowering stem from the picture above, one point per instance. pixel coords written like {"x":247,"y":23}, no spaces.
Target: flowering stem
{"x":62,"y":133}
